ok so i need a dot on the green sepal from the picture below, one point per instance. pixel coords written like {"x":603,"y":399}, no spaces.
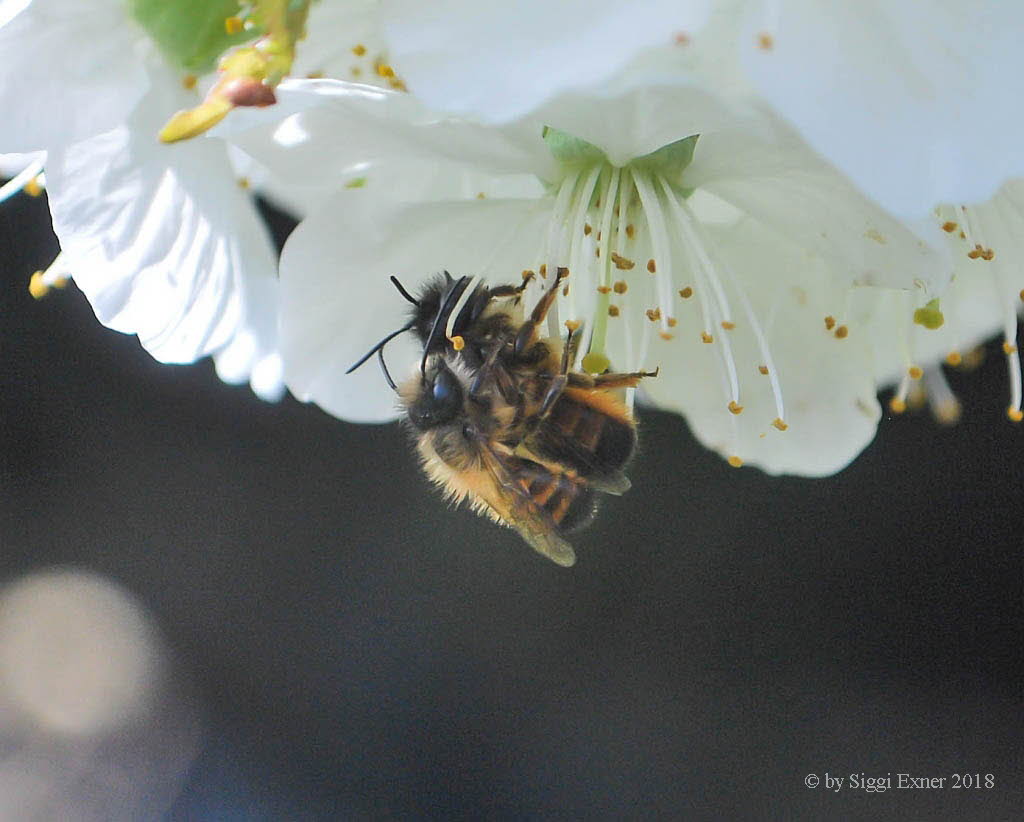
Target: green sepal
{"x":190,"y":33}
{"x":571,"y":151}
{"x":670,"y":161}
{"x":929,"y":316}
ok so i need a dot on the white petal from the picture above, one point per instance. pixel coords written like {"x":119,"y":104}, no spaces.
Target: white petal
{"x":916,"y":102}
{"x":781,"y":183}
{"x":332,"y":129}
{"x":70,"y":70}
{"x":334,"y":31}
{"x":500,"y":60}
{"x":337,"y":301}
{"x":161,"y":239}
{"x":826,"y":382}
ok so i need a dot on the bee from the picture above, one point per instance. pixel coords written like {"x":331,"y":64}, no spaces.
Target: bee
{"x":502,"y":421}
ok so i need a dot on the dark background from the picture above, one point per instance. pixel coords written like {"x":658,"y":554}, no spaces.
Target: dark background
{"x":362,"y":651}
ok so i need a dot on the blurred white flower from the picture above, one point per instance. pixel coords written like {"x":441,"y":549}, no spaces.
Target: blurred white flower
{"x":161,"y":239}
{"x":908,"y":99}
{"x":725,"y":259}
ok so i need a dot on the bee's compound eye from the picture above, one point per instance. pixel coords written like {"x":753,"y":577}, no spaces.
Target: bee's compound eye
{"x":447,"y":390}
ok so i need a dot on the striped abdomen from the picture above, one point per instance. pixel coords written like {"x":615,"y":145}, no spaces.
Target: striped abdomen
{"x":588,"y":432}
{"x":567,"y":500}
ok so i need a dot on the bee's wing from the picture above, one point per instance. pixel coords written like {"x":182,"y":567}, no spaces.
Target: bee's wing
{"x":513,"y":504}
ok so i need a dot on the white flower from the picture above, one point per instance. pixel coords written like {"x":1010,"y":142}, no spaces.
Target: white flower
{"x":985,"y":296}
{"x":161,"y":239}
{"x":908,"y":99}
{"x":729,"y":272}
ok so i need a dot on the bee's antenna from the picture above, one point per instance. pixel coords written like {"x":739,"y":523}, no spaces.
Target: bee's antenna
{"x":384,"y":368}
{"x":441,"y":320}
{"x":403,"y":292}
{"x":379,"y":348}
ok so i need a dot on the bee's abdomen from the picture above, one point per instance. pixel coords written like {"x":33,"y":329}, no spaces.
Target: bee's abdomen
{"x":567,"y":500}
{"x":584,"y":437}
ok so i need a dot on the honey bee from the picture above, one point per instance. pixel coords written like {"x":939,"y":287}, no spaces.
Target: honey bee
{"x":500,"y":418}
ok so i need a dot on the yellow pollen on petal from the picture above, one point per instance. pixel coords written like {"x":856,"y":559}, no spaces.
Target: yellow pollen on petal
{"x":631,"y":231}
{"x":735,"y":407}
{"x":233,"y":25}
{"x":915,"y":372}
{"x":458,"y":343}
{"x":384,"y":70}
{"x":779,"y":424}
{"x":587,"y":229}
{"x":189,"y":81}
{"x":949,"y":226}
{"x":1014,"y":414}
{"x":728,"y":326}
{"x":622,"y":263}
{"x":763,"y":369}
{"x":765,"y":41}
{"x":954,"y":359}
{"x":620,"y":287}
{"x":842,"y":332}
{"x":613,"y":311}
{"x":651,"y":266}
{"x":706,"y":338}
{"x":359,"y":50}
{"x":734,"y":461}
{"x":1009,"y":348}
{"x":897,"y":406}
{"x":687,"y":292}
{"x":830,"y":322}
{"x":32,"y":187}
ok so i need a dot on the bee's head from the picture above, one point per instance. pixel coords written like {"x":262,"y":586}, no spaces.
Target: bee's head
{"x":437,"y":397}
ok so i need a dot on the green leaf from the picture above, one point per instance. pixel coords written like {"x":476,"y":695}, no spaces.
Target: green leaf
{"x":190,"y":33}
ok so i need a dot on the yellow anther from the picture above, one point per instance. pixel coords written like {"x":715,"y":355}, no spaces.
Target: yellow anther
{"x":830,"y":322}
{"x":735,"y":407}
{"x":587,"y":229}
{"x":954,"y":359}
{"x":572,"y":326}
{"x":897,"y":405}
{"x":765,"y":41}
{"x":672,"y":321}
{"x":36,"y":287}
{"x":1009,"y":348}
{"x":613,"y":311}
{"x":949,"y":226}
{"x":763,"y":369}
{"x":1014,"y":414}
{"x":665,"y":335}
{"x":620,"y":287}
{"x":384,"y":70}
{"x":728,"y":326}
{"x":842,"y":332}
{"x":653,"y":314}
{"x":687,"y":292}
{"x":32,"y":187}
{"x":244,"y":183}
{"x":779,"y":424}
{"x":631,"y":231}
{"x":652,"y":266}
{"x":543,"y":269}
{"x":622,"y":263}
{"x":604,"y":289}
{"x":1022,"y":294}
{"x":734,"y":461}
{"x":359,"y":50}
{"x":948,"y":412}
{"x":233,"y":25}
{"x":458,"y":343}
{"x":189,"y":81}
{"x":915,"y":372}
{"x":706,"y":338}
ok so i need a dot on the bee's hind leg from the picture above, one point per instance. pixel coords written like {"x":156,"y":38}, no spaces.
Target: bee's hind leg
{"x":528,"y":330}
{"x":626,"y":380}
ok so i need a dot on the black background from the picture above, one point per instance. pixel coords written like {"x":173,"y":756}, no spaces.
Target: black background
{"x":362,"y":651}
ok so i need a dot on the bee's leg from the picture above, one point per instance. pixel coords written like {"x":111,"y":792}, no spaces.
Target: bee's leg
{"x":528,"y":331}
{"x":560,"y":381}
{"x":501,"y":291}
{"x":630,"y":380}
{"x":491,"y":370}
